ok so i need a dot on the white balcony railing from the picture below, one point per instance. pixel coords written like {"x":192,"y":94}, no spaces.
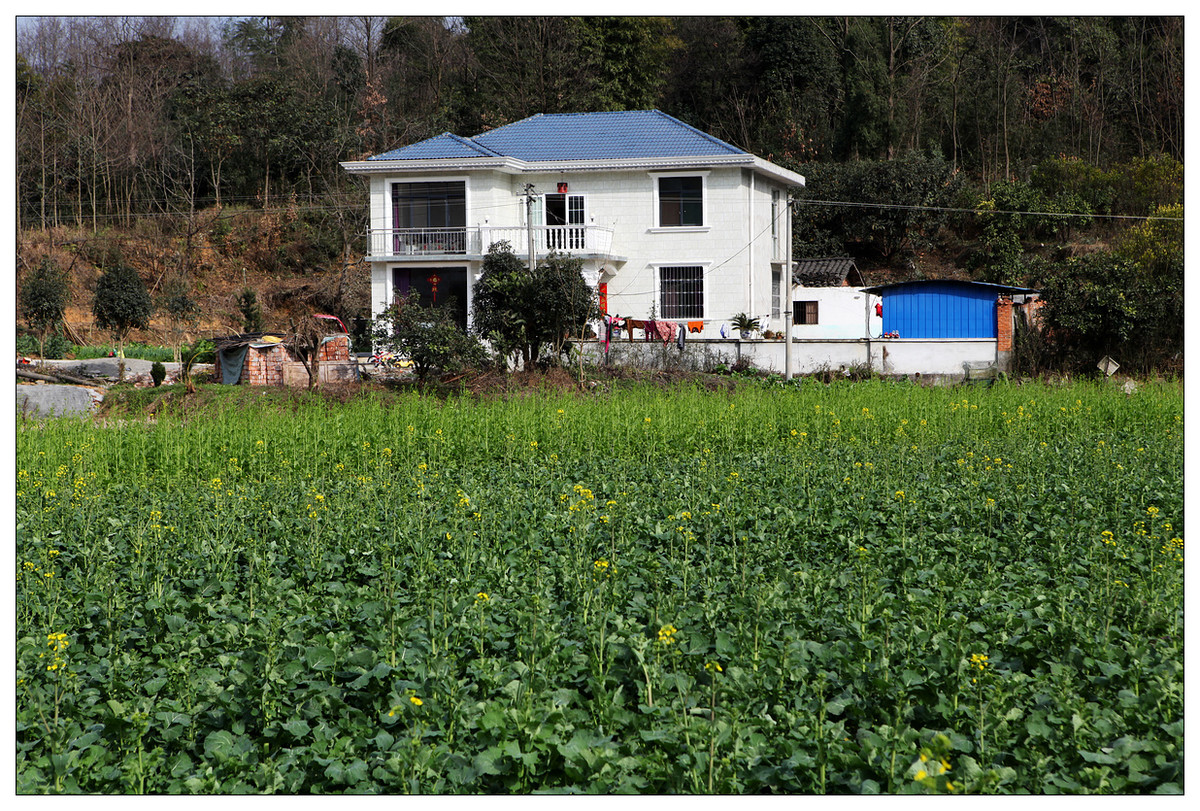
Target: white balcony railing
{"x":576,"y":239}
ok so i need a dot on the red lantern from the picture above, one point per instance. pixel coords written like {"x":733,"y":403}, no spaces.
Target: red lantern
{"x":562,"y":188}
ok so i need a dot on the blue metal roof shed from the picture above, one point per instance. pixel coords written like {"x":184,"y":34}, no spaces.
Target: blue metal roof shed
{"x":942,"y":309}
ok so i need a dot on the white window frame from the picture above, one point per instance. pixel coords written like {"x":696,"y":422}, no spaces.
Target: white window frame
{"x":775,"y":224}
{"x":658,"y":303}
{"x":540,"y":205}
{"x":389,"y":215}
{"x":681,"y":229}
{"x":776,"y":291}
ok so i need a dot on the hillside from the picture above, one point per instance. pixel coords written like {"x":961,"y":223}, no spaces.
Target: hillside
{"x":217,"y":274}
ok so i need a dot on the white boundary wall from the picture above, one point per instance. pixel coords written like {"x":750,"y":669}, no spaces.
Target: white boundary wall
{"x":892,"y":356}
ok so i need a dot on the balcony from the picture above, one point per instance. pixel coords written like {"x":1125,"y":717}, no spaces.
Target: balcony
{"x":396,"y":244}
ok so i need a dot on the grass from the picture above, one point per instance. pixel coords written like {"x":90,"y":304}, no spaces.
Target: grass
{"x":852,"y":588}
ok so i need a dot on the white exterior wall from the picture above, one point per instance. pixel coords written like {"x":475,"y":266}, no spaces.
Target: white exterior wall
{"x":896,"y":356}
{"x":842,"y":312}
{"x":734,"y":245}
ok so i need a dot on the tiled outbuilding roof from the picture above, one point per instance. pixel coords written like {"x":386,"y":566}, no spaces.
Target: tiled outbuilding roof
{"x":827,"y":272}
{"x":576,"y":136}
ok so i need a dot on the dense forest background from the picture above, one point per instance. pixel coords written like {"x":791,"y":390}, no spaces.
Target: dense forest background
{"x":219,"y":139}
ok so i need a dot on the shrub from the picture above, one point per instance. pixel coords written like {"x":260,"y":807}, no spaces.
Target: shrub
{"x":428,"y":336}
{"x":158,"y":372}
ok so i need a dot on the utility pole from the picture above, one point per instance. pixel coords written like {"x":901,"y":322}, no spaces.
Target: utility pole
{"x":787,"y":287}
{"x":529,"y":195}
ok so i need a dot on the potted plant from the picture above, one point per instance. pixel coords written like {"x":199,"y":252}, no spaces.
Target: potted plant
{"x":746,"y":326}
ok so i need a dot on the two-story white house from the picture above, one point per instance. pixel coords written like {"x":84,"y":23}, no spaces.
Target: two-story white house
{"x":667,"y":219}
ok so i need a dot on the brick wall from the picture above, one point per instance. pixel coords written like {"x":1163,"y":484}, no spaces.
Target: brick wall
{"x":264,"y":367}
{"x":337,"y":349}
{"x":1004,"y":324}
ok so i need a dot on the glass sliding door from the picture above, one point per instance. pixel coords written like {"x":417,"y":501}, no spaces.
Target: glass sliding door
{"x":429,"y":218}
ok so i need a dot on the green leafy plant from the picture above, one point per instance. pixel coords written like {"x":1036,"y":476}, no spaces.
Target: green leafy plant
{"x":746,"y":325}
{"x":247,"y":304}
{"x":45,"y":291}
{"x":523,"y":313}
{"x":428,"y":336}
{"x":748,"y":607}
{"x":121,"y":303}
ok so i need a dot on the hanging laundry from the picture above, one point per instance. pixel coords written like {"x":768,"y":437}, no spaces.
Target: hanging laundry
{"x":663,"y":330}
{"x":723,"y":333}
{"x":682,"y":337}
{"x":695,"y":326}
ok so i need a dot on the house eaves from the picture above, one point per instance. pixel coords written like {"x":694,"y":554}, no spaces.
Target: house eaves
{"x":516,"y":166}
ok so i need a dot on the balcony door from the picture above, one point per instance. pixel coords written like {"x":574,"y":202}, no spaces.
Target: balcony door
{"x":429,"y":218}
{"x":565,"y":218}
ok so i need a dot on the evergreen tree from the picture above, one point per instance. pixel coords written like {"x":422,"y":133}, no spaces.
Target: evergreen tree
{"x":121,"y":303}
{"x":521,"y":312}
{"x":44,"y":295}
{"x":247,"y":302}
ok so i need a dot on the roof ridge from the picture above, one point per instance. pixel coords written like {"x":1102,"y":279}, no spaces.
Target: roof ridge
{"x":473,"y":144}
{"x":504,"y":126}
{"x":699,"y":132}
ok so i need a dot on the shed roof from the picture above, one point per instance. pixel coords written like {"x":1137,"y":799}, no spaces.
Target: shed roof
{"x":826,"y":272}
{"x":575,"y":136}
{"x":999,"y":288}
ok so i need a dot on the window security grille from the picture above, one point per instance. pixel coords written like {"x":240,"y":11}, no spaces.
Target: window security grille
{"x":804,"y":312}
{"x":681,"y":292}
{"x":776,"y":292}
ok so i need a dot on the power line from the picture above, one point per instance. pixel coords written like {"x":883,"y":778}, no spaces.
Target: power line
{"x":899,"y":206}
{"x":635,"y":198}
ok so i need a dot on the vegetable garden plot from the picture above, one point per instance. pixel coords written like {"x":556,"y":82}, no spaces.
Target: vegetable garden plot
{"x":853,"y":588}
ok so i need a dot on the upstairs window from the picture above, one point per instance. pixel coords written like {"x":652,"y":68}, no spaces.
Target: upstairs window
{"x":429,"y":205}
{"x":680,"y":202}
{"x":681,"y":293}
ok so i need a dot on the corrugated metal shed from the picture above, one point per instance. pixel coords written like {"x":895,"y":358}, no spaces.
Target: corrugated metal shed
{"x":942,"y":309}
{"x":576,"y":136}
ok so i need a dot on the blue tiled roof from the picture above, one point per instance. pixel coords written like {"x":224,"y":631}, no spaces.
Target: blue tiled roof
{"x":576,"y":136}
{"x":446,"y":145}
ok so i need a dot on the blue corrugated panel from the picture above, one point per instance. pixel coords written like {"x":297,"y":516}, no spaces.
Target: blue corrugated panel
{"x":940,"y":310}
